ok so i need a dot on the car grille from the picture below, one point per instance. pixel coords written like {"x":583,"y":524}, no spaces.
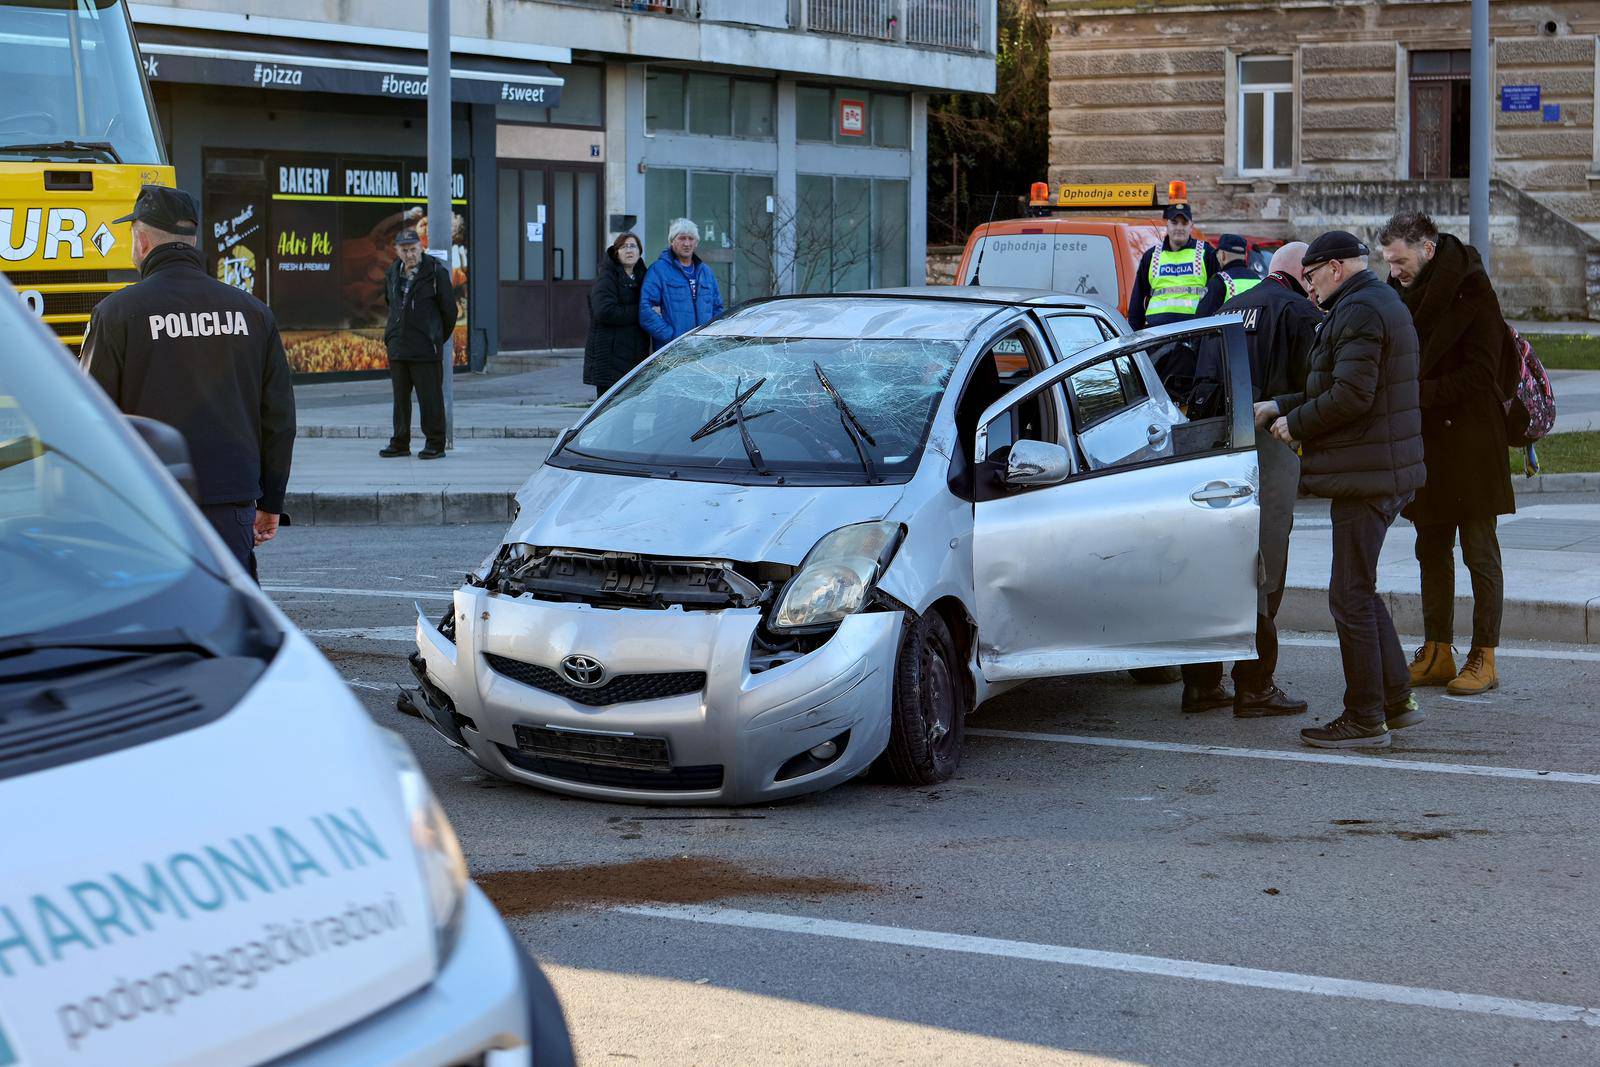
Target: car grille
{"x":78,"y":306}
{"x":623,"y":689}
{"x":674,"y":780}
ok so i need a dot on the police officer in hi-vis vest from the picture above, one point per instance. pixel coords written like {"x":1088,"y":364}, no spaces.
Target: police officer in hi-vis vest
{"x":1172,"y":276}
{"x":1235,"y":277}
{"x":1168,"y":287}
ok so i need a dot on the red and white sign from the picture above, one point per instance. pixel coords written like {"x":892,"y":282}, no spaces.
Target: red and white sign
{"x":853,"y":118}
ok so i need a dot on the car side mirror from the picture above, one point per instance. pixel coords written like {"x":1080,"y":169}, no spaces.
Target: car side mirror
{"x":171,"y":449}
{"x":1033,"y":463}
{"x":563,"y":435}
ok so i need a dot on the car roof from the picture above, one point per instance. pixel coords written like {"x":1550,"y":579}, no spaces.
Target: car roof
{"x":933,"y":312}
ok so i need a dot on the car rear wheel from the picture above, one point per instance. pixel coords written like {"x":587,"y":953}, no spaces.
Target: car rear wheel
{"x":928,"y":727}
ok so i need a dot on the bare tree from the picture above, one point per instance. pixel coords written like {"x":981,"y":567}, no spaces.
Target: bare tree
{"x":835,"y":244}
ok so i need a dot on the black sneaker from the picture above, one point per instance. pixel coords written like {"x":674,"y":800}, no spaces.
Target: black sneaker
{"x":1406,"y":713}
{"x":391,"y":452}
{"x":431,"y":453}
{"x":1347,"y":732}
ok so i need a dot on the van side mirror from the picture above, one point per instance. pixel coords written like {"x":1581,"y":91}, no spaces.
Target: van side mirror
{"x":171,"y":449}
{"x":1034,"y":463}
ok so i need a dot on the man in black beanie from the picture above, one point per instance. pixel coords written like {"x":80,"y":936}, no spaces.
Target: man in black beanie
{"x":1360,"y":425}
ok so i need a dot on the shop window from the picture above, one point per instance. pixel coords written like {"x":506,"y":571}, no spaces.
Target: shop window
{"x":730,"y":212}
{"x":813,"y":113}
{"x":891,"y":120}
{"x":582,"y":100}
{"x":752,"y":110}
{"x":1266,"y":115}
{"x":849,"y":233}
{"x":1441,"y":114}
{"x":664,"y":101}
{"x":712,"y":105}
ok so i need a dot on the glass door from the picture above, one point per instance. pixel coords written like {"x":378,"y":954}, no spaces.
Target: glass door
{"x":551,"y":244}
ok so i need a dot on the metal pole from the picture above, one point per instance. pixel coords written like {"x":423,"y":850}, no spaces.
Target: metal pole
{"x":1482,"y":149}
{"x":439,"y":184}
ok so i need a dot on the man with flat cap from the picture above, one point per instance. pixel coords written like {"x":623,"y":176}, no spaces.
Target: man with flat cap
{"x":1359,"y":421}
{"x":422,"y":313}
{"x":204,"y":357}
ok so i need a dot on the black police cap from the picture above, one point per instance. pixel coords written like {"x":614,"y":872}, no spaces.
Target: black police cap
{"x":1335,"y":244}
{"x":168,"y":210}
{"x":1232,"y":242}
{"x":1175,"y":210}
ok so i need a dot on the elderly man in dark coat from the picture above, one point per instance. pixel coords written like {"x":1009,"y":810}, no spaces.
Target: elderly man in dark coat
{"x":1463,"y":342}
{"x":1361,"y":427}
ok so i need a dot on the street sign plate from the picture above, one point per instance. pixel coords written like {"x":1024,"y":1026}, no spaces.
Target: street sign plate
{"x":1122,"y":194}
{"x":1519,"y":98}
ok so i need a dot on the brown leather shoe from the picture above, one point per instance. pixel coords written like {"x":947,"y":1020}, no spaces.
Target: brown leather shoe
{"x":1434,"y":664}
{"x":1478,"y":676}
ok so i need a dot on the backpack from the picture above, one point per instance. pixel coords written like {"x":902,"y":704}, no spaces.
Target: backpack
{"x":1530,"y":402}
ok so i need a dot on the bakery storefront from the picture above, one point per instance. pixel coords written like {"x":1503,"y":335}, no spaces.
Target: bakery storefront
{"x":309,"y":158}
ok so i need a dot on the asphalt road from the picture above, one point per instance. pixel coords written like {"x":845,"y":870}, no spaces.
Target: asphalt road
{"x":1073,"y":896}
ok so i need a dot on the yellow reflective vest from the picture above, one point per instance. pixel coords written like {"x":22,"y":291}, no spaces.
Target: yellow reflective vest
{"x":1235,"y":286}
{"x":1177,"y":281}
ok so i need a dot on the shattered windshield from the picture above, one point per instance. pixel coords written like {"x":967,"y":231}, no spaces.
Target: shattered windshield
{"x":838,"y":410}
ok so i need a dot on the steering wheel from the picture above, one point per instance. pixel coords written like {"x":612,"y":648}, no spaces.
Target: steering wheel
{"x":19,"y":121}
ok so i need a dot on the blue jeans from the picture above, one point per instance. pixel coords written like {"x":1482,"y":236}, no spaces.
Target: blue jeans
{"x":1375,"y":670}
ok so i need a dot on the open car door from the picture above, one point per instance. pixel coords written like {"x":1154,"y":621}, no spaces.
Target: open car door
{"x":1128,"y":537}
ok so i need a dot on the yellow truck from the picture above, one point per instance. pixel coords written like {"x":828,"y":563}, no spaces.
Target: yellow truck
{"x":78,"y":137}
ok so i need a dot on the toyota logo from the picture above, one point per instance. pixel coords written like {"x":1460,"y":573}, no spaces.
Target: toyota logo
{"x":583,"y":670}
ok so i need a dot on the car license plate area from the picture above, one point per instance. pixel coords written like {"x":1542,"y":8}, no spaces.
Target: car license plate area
{"x":606,"y":750}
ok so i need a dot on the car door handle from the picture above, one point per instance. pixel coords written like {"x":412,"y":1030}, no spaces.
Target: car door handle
{"x":1221,"y":492}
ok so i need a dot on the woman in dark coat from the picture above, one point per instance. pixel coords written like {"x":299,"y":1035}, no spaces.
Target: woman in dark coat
{"x":616,"y":343}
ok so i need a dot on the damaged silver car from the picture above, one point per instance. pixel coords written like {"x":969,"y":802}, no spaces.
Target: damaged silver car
{"x":812,"y":537}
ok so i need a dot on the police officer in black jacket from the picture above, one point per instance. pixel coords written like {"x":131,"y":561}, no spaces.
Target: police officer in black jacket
{"x":1280,"y":327}
{"x":202,"y":356}
{"x":422,"y":313}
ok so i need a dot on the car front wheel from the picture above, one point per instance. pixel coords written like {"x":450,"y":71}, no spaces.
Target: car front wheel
{"x":928,"y":728}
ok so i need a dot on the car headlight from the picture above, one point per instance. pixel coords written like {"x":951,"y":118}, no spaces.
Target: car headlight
{"x":444,"y":868}
{"x":836,"y":576}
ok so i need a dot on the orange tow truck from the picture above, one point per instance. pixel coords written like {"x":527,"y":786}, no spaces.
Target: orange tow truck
{"x":1072,"y":243}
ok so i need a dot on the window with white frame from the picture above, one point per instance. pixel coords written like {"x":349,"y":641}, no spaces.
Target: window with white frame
{"x":1266,"y":114}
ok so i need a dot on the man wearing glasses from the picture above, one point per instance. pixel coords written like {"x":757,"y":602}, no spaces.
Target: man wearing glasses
{"x":1359,"y":421}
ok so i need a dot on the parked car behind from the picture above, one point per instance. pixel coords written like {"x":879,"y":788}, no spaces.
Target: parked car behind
{"x":209,"y":854}
{"x":815,"y":535}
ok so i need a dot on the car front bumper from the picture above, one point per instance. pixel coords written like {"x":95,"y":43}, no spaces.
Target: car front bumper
{"x":726,"y":744}
{"x":490,"y":1006}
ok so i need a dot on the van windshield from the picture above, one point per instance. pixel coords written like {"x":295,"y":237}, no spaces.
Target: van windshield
{"x":86,"y":531}
{"x":824,"y":410}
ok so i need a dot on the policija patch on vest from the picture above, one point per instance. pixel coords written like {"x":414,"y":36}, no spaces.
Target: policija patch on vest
{"x":199,"y":324}
{"x":1173,"y":270}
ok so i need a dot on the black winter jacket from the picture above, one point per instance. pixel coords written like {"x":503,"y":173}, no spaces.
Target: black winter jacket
{"x":1359,"y":418}
{"x":195,"y":353}
{"x":616,"y":342}
{"x":1463,"y":423}
{"x":419,"y":322}
{"x":1280,"y":326}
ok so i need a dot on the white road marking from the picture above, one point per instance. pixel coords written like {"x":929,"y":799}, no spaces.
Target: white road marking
{"x":1501,"y":653}
{"x":365,"y":685}
{"x":322,"y":590}
{"x":1466,"y":700}
{"x":1224,"y":974}
{"x":373,"y":633}
{"x":1379,"y":762}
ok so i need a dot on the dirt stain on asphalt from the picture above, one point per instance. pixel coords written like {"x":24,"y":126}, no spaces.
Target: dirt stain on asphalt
{"x":674,"y":880}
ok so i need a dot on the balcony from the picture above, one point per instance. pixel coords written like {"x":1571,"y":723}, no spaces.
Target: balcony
{"x":953,"y":25}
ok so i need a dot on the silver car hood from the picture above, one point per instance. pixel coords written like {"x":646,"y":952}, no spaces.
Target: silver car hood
{"x":695,"y":520}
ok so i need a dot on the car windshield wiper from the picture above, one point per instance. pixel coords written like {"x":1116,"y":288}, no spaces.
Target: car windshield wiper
{"x":733,"y":415}
{"x":102,"y":148}
{"x":142,"y":642}
{"x":852,"y":425}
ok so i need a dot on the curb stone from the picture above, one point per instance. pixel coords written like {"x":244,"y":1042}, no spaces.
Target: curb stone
{"x":382,"y":433}
{"x":1586,"y":482}
{"x":398,"y":506}
{"x":1574,"y":622}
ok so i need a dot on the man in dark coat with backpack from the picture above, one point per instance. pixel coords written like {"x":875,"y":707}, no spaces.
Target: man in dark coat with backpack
{"x":1466,"y":351}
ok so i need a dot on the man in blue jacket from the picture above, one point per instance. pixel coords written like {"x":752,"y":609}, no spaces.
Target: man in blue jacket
{"x":679,"y":291}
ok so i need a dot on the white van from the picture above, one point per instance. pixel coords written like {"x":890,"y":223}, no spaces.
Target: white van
{"x":209,"y":854}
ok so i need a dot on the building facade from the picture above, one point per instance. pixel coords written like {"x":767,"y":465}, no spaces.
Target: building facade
{"x":1290,"y":118}
{"x":794,"y":133}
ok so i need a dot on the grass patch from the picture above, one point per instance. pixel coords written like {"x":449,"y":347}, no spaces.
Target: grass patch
{"x":1562,"y":351}
{"x":1564,"y":453}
